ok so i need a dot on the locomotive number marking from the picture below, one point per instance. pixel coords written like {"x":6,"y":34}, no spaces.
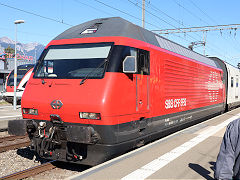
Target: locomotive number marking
{"x":175,"y":103}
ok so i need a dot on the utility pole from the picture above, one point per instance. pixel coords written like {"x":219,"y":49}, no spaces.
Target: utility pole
{"x":143,"y":13}
{"x":204,"y":42}
{"x":15,"y":65}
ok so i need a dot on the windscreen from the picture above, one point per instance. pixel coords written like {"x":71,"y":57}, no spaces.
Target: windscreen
{"x":74,"y":61}
{"x":20,"y":74}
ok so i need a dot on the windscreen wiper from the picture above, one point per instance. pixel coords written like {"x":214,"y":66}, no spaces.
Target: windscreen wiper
{"x":86,"y":77}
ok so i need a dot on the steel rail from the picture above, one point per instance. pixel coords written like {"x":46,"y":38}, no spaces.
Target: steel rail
{"x":14,"y":143}
{"x":11,"y":138}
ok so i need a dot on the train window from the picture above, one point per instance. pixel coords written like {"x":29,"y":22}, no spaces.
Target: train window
{"x":143,"y":62}
{"x":237,"y":82}
{"x":20,"y":74}
{"x":77,"y":53}
{"x":133,"y":52}
{"x":74,"y":61}
{"x":119,"y":53}
{"x":231,"y":81}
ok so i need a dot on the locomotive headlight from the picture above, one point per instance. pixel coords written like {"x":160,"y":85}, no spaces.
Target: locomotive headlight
{"x":30,"y":111}
{"x":86,"y":115}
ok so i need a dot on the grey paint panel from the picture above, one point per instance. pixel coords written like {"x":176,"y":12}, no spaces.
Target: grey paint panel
{"x":166,"y":44}
{"x":117,"y":26}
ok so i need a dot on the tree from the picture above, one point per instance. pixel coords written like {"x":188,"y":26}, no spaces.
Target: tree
{"x":9,"y":54}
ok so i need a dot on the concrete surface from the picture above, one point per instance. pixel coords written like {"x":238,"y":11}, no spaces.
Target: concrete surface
{"x":7,"y":113}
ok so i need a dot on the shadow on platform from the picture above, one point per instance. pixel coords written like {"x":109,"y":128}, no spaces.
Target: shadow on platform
{"x":202,"y":171}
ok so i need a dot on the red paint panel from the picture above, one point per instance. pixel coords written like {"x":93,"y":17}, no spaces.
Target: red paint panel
{"x":9,"y":88}
{"x":117,"y":41}
{"x":112,"y":96}
{"x":178,"y":84}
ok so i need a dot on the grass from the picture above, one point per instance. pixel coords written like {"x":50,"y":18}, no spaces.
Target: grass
{"x":2,"y":102}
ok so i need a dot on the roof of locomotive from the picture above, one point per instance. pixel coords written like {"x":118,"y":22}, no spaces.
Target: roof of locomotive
{"x":26,"y":65}
{"x":116,"y":26}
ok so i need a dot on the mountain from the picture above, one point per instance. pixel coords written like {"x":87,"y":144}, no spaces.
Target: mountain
{"x":32,"y":50}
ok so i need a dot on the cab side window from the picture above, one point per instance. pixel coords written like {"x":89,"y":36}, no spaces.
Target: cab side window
{"x":143,"y":62}
{"x":119,"y":53}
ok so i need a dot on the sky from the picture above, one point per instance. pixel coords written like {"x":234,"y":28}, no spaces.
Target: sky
{"x":45,"y":19}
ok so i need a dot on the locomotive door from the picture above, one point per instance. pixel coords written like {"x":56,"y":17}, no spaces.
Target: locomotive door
{"x":142,"y":82}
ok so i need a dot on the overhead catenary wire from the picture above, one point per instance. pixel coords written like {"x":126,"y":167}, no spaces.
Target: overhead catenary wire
{"x":38,"y":15}
{"x":116,"y":9}
{"x":24,"y":32}
{"x":136,"y":4}
{"x":167,"y":15}
{"x":223,"y":26}
{"x":51,"y":19}
{"x":28,"y":12}
{"x":139,"y":19}
{"x":194,"y":4}
{"x":103,"y":3}
{"x":100,"y":10}
{"x":157,"y":9}
{"x":213,"y":20}
{"x":152,"y":14}
{"x":191,"y":13}
{"x":155,"y":16}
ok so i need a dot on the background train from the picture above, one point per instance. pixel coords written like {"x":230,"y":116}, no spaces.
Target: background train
{"x":231,"y":76}
{"x":107,"y":86}
{"x":23,"y":75}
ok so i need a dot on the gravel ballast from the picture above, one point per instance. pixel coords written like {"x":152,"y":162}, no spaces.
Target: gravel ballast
{"x":16,"y":160}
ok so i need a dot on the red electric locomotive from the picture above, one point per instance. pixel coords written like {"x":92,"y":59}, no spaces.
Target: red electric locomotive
{"x":106,"y":86}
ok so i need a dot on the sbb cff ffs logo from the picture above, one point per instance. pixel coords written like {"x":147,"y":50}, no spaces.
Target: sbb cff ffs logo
{"x":56,"y":104}
{"x":175,"y":103}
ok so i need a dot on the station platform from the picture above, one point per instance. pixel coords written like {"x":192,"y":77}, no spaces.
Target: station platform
{"x":7,"y":113}
{"x":188,"y":154}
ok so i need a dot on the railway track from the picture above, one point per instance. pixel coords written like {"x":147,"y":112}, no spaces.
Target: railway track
{"x":13,"y":142}
{"x":31,"y":171}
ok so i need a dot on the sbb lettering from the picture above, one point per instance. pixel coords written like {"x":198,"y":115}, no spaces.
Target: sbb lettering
{"x":175,"y":103}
